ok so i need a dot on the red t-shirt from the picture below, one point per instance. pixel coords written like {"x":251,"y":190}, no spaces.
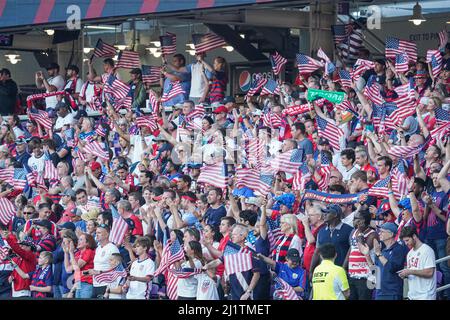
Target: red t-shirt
{"x":223,"y":242}
{"x":88,"y":256}
{"x":138,"y":229}
{"x":310,"y":248}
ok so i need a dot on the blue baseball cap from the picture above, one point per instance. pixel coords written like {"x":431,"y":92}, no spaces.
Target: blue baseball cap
{"x":405,"y":204}
{"x":389,"y":226}
{"x":333,"y":208}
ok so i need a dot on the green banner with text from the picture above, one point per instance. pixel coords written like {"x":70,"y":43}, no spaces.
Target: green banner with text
{"x":332,"y":96}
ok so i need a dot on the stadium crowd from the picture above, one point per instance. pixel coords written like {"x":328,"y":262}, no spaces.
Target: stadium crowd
{"x":279,"y":196}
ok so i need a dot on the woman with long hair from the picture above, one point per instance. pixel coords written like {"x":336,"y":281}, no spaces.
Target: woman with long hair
{"x":187,"y":287}
{"x":219,"y":80}
{"x":289,"y":240}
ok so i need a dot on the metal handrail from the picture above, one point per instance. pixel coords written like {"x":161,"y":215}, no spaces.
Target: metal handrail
{"x":443,"y":259}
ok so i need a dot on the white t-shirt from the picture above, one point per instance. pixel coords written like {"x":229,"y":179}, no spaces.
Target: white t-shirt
{"x":421,"y":288}
{"x":37,"y":164}
{"x":188,"y":287}
{"x":101,"y":260}
{"x":206,"y":254}
{"x":78,"y":86}
{"x":118,"y":282}
{"x":206,"y":287}
{"x":18,"y":132}
{"x":198,"y":83}
{"x":67,"y":120}
{"x":141,"y":290}
{"x":58,"y":82}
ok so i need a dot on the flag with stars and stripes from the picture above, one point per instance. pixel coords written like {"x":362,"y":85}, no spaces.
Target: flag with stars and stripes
{"x":330,"y":131}
{"x":360,"y":67}
{"x":4,"y":252}
{"x":350,"y":45}
{"x":50,"y":172}
{"x":273,"y":231}
{"x":168,"y":43}
{"x":396,"y":46}
{"x":325,"y":171}
{"x":175,"y":89}
{"x":36,"y":180}
{"x":399,"y":178}
{"x":117,"y":88}
{"x":301,"y":177}
{"x":119,"y":227}
{"x":147,"y":121}
{"x":277,"y":62}
{"x":102,"y":49}
{"x":214,"y":174}
{"x":373,"y":91}
{"x":185,"y":273}
{"x":172,"y":252}
{"x":434,"y":58}
{"x":401,"y":62}
{"x":7,"y":211}
{"x":440,"y":132}
{"x":341,"y":32}
{"x":442,"y":116}
{"x":96,"y":149}
{"x":258,"y":181}
{"x":329,"y":66}
{"x":110,"y":276}
{"x":207,"y":42}
{"x":271,"y":87}
{"x":345,"y":78}
{"x":154,"y":102}
{"x":272,"y":120}
{"x":128,"y":60}
{"x":406,"y":89}
{"x":287,"y":161}
{"x":405,"y":151}
{"x":41,"y":117}
{"x":307,"y":64}
{"x":236,"y":259}
{"x":151,"y":74}
{"x":256,"y":84}
{"x":283,"y":290}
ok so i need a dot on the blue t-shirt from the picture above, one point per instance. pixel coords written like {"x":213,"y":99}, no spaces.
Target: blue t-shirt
{"x":306,"y":147}
{"x":389,"y":281}
{"x":294,"y":277}
{"x":340,"y":237}
{"x":435,"y":226}
{"x":263,"y":246}
{"x":213,"y":216}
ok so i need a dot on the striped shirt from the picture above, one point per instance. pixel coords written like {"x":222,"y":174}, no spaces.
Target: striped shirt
{"x":218,"y":86}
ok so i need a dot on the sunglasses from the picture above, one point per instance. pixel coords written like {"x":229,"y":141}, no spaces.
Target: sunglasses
{"x":28,"y":212}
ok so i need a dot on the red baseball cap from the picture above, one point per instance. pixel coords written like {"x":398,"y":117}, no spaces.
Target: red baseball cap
{"x":221,"y":109}
{"x":95,"y":165}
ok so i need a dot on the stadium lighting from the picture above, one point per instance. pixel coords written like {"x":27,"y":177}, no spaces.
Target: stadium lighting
{"x":228,"y":48}
{"x":50,"y":32}
{"x":87,"y":50}
{"x":417,"y":17}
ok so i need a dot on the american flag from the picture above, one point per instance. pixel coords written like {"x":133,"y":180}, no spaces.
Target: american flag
{"x":341,"y":32}
{"x":324,"y":171}
{"x":272,"y":120}
{"x":102,"y":49}
{"x":380,"y":188}
{"x":329,"y":66}
{"x":443,"y":38}
{"x":96,"y":149}
{"x":117,"y":88}
{"x":346,"y":105}
{"x":7,"y":211}
{"x":271,"y":87}
{"x":119,"y":227}
{"x":175,"y":89}
{"x":440,"y":132}
{"x":121,"y":103}
{"x":329,"y":131}
{"x":274,"y":232}
{"x":110,"y":276}
{"x":360,"y":67}
{"x":442,"y":116}
{"x":50,"y":172}
{"x":171,"y":285}
{"x":41,"y":117}
{"x":288,"y":161}
{"x":349,"y":48}
{"x":260,"y":182}
{"x":435,"y":59}
{"x":396,"y":46}
{"x":256,"y":152}
{"x":401,"y":62}
{"x":36,"y":180}
{"x":406,"y":89}
{"x":307,"y":64}
{"x":185,"y":273}
{"x":380,"y":120}
{"x":256,"y":85}
{"x":168,"y":43}
{"x":405,"y":151}
{"x":277,"y":62}
{"x":151,"y":74}
{"x":154,"y":102}
{"x":207,"y":42}
{"x":4,"y":251}
{"x":147,"y":121}
{"x":7,"y":175}
{"x":373,"y":91}
{"x":301,"y":177}
{"x":345,"y":78}
{"x":172,"y":252}
{"x":236,"y":259}
{"x":214,"y":174}
{"x":101,"y":131}
{"x":19,"y":179}
{"x":283,"y":290}
{"x":399,"y":178}
{"x":128,"y":60}
{"x":198,"y":112}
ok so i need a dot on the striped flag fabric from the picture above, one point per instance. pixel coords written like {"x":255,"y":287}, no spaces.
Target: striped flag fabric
{"x":341,"y":32}
{"x":50,"y":172}
{"x":283,"y":290}
{"x":147,"y":121}
{"x":117,"y":88}
{"x":307,"y":64}
{"x":172,"y":285}
{"x":175,"y":89}
{"x":434,"y":58}
{"x":185,"y":273}
{"x":380,"y":188}
{"x":154,"y":102}
{"x":271,"y":87}
{"x":110,"y":276}
{"x":329,"y":131}
{"x":198,"y":112}
{"x":256,"y":153}
{"x":287,"y":161}
{"x":401,"y":62}
{"x":102,"y":49}
{"x":324,"y":170}
{"x":7,"y":211}
{"x":122,"y":103}
{"x":172,"y":252}
{"x":442,"y":116}
{"x":254,"y":179}
{"x":151,"y":74}
{"x":396,"y":46}
{"x":4,"y":252}
{"x":360,"y":67}
{"x":101,"y":131}
{"x":301,"y":177}
{"x":440,"y":132}
{"x":41,"y":117}
{"x":443,"y":39}
{"x":19,"y":180}
{"x":277,"y":62}
{"x":272,"y":120}
{"x":168,"y":43}
{"x":36,"y":180}
{"x":273,"y":232}
{"x":406,"y":89}
{"x":128,"y":60}
{"x":349,"y":48}
{"x":236,"y":259}
{"x":329,"y":66}
{"x":96,"y":149}
{"x":405,"y":152}
{"x":373,"y":91}
{"x":256,"y":85}
{"x":214,"y":174}
{"x":399,"y":178}
{"x":7,"y":175}
{"x":119,"y":227}
{"x":345,"y":78}
{"x":207,"y":42}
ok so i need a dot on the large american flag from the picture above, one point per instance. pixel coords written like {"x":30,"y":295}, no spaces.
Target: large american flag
{"x":272,"y":120}
{"x":110,"y":276}
{"x":96,"y":149}
{"x":330,"y":131}
{"x":273,"y":231}
{"x":41,"y":117}
{"x":256,"y":153}
{"x":214,"y":174}
{"x":154,"y":102}
{"x":341,"y":32}
{"x":260,"y":182}
{"x":345,"y":78}
{"x":401,"y":62}
{"x":440,"y":132}
{"x":435,"y":59}
{"x":102,"y":49}
{"x":168,"y":43}
{"x":360,"y":67}
{"x":119,"y":227}
{"x":406,"y":89}
{"x":307,"y":64}
{"x":50,"y":172}
{"x":147,"y":121}
{"x":287,"y":161}
{"x":373,"y":91}
{"x":151,"y":74}
{"x":396,"y":46}
{"x":256,"y":84}
{"x":172,"y":252}
{"x":442,"y":116}
{"x":236,"y":259}
{"x":351,"y":43}
{"x":117,"y":88}
{"x":283,"y":290}
{"x":175,"y":89}
{"x":443,"y":38}
{"x":7,"y":211}
{"x":405,"y":151}
{"x":380,"y":188}
{"x":301,"y":177}
{"x":277,"y":62}
{"x":271,"y":87}
{"x":207,"y":42}
{"x":128,"y":60}
{"x":400,"y":180}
